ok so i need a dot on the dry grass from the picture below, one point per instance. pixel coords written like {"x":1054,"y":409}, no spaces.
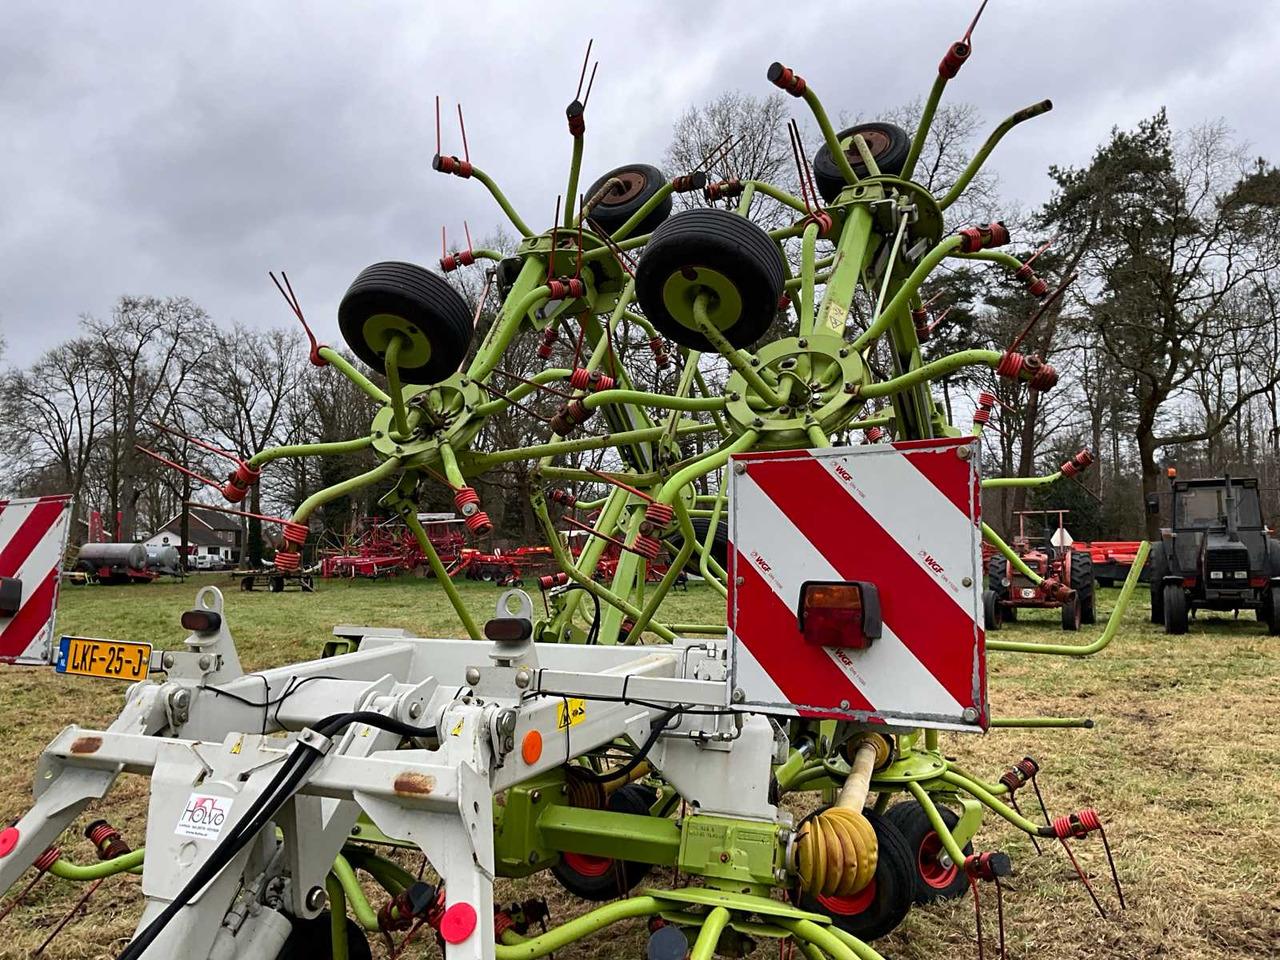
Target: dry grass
{"x":1182,"y":766}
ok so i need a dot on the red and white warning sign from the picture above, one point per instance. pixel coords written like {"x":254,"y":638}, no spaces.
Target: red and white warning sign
{"x":897,"y":525}
{"x":33,"y":539}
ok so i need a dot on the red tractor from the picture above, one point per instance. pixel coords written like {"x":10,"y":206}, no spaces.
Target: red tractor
{"x":1052,"y":558}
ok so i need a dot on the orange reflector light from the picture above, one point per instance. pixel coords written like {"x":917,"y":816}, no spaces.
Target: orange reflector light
{"x":1173,"y":472}
{"x":531,"y":748}
{"x":839,"y":613}
{"x":202,"y":621}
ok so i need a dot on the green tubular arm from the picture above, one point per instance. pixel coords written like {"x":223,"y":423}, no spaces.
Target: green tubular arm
{"x":321,"y":497}
{"x":990,"y":256}
{"x":521,"y":390}
{"x":664,"y":586}
{"x":504,"y":329}
{"x":808,"y":254}
{"x":834,"y":942}
{"x":410,"y":514}
{"x":650,"y":205}
{"x":979,"y":158}
{"x":566,"y":564}
{"x":352,"y":374}
{"x":708,"y":629}
{"x":66,"y":870}
{"x":998,"y":789}
{"x":769,"y":190}
{"x":795,"y":282}
{"x":704,"y":465}
{"x":829,"y":134}
{"x":577,"y":928}
{"x":478,"y":463}
{"x":641,"y":321}
{"x":349,"y":884}
{"x":907,"y":290}
{"x":998,"y":542}
{"x":922,"y":128}
{"x":864,"y":151}
{"x":704,"y":947}
{"x":660,"y":400}
{"x":706,"y":392}
{"x":705,"y":561}
{"x":589,"y":558}
{"x":1108,"y":632}
{"x":1036,"y":723}
{"x":571,"y":194}
{"x":548,"y":472}
{"x":930,"y":371}
{"x":503,"y":202}
{"x":449,"y":460}
{"x":485,"y":254}
{"x":817,"y":437}
{"x":310,"y":450}
{"x":736,"y":358}
{"x":390,"y":875}
{"x":1021,"y":481}
{"x":991,"y":802}
{"x":871,"y":422}
{"x":394,"y":390}
{"x":744,"y":202}
{"x":935,"y":820}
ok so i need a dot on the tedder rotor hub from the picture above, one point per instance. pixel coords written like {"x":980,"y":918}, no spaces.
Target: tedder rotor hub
{"x":436,"y":412}
{"x":817,"y":376}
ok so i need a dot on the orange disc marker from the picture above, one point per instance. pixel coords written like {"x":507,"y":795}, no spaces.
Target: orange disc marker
{"x":531,"y":748}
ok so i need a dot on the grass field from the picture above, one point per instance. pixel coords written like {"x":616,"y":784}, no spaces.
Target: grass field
{"x":1183,"y":765}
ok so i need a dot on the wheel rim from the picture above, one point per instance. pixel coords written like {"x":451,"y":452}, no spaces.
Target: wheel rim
{"x":853,"y":904}
{"x":587,"y":865}
{"x":682,"y":288}
{"x":929,"y":864}
{"x":633,"y":182}
{"x":877,"y":144}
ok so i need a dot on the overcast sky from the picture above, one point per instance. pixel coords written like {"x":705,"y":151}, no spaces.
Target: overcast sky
{"x":187,"y":148}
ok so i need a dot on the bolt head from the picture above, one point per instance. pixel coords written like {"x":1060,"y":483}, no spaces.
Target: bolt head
{"x":738,"y":581}
{"x":965,"y":452}
{"x":205,"y":662}
{"x":739,"y":468}
{"x":967,"y":581}
{"x":970,"y":714}
{"x":844,"y":704}
{"x":535,"y":796}
{"x":757,"y":422}
{"x":802,"y":342}
{"x":180,"y":698}
{"x":850,"y":386}
{"x":473,"y":675}
{"x":415,"y":709}
{"x":316,"y":898}
{"x":739,"y":695}
{"x":167,"y":660}
{"x":523,"y":679}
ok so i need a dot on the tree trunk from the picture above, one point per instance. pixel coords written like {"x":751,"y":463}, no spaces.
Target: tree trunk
{"x":1150,"y":482}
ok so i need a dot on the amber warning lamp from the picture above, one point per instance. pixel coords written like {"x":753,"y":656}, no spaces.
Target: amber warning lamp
{"x":842,"y":613}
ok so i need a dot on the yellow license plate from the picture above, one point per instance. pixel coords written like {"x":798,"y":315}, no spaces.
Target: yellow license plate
{"x":112,"y":659}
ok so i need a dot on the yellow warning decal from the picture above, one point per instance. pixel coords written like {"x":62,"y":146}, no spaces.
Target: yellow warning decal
{"x":457,"y":729}
{"x":570,"y":712}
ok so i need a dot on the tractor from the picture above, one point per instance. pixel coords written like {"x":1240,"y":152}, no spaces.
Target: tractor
{"x":1054,"y":560}
{"x":1217,"y":555}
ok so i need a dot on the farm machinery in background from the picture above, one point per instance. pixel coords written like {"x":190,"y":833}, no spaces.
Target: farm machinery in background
{"x":851,"y":575}
{"x":1217,"y":554}
{"x":1051,"y":555}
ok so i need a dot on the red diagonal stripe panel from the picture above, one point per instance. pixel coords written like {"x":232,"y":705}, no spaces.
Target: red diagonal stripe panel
{"x":30,"y":620}
{"x":912,"y":604}
{"x":804,"y":673}
{"x":944,"y":470}
{"x":36,"y":524}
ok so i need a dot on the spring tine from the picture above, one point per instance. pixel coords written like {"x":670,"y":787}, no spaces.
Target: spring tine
{"x":590,"y":84}
{"x":514,"y":403}
{"x":199,"y":443}
{"x":609,"y":478}
{"x":582,"y":204}
{"x":22,"y":896}
{"x":467,"y":230}
{"x":1112,"y":863}
{"x":438,"y":148}
{"x":1013,"y":802}
{"x":555,"y":229}
{"x":1084,"y":879}
{"x":583,"y":75}
{"x":177,"y":466}
{"x":466,"y":154}
{"x":444,"y":242}
{"x":1035,"y":785}
{"x":1044,"y":306}
{"x":1004,"y":955}
{"x":977,"y":915}
{"x":1041,"y":249}
{"x":238,"y":513}
{"x":795,"y":152}
{"x":534,"y":384}
{"x":968,"y":33}
{"x":67,"y":919}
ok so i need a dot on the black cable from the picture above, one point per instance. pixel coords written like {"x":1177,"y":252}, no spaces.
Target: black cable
{"x":618,"y":773}
{"x":593,"y":634}
{"x":283,"y":786}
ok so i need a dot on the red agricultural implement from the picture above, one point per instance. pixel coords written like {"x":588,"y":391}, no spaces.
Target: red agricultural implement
{"x":1056,"y":562}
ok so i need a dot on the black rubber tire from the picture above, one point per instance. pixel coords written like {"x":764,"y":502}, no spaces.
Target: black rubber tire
{"x":997,"y":571}
{"x":1273,"y":557}
{"x":889,"y":145}
{"x":418,"y":301}
{"x":311,"y":940}
{"x":1158,"y":566}
{"x":1072,"y":614}
{"x":992,"y":612}
{"x":1085,"y":586}
{"x":1175,"y":609}
{"x":731,"y":246}
{"x":1271,"y":609}
{"x":246,"y":583}
{"x":275,"y":585}
{"x":614,"y":877}
{"x":719,"y":545}
{"x":642,"y":182}
{"x":888,"y":898}
{"x":933,"y":882}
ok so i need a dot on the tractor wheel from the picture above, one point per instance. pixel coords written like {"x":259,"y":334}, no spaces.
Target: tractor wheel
{"x":716,"y":252}
{"x":312,"y":940}
{"x":1155,"y":581}
{"x":997,"y":574}
{"x":640,"y":182}
{"x":1085,"y":585}
{"x":889,"y":145}
{"x":246,"y":583}
{"x":275,"y":585}
{"x":1271,"y":604}
{"x":430,"y":317}
{"x":604,"y":878}
{"x":992,"y":611}
{"x":1175,"y":609}
{"x":1071,"y":614}
{"x":936,"y":877}
{"x":877,"y":909}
